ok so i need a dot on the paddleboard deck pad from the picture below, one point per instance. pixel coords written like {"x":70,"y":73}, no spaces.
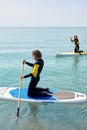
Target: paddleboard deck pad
{"x":70,"y":53}
{"x":11,"y":94}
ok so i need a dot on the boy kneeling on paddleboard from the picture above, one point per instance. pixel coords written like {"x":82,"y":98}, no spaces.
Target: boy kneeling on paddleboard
{"x":35,"y":76}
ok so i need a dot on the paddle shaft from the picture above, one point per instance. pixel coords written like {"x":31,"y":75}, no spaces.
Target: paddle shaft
{"x":19,"y":96}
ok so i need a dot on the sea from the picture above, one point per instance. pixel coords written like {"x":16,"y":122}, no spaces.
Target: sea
{"x":59,"y":73}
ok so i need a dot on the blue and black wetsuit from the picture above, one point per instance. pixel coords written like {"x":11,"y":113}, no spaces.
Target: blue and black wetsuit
{"x":35,"y":77}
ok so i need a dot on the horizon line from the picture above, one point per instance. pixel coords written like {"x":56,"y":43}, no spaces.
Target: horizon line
{"x":41,"y":26}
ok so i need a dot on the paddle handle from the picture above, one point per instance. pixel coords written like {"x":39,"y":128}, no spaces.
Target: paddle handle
{"x":20,"y":86}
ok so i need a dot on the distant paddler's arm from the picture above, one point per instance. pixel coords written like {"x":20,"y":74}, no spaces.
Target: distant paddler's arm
{"x":26,"y":76}
{"x":30,"y":64}
{"x":71,"y":39}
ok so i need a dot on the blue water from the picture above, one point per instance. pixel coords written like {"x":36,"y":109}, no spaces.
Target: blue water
{"x":61,"y":73}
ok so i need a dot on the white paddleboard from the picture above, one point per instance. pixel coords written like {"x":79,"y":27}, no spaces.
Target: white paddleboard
{"x":70,"y":53}
{"x":11,"y":94}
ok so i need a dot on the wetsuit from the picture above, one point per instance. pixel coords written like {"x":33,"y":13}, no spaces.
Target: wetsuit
{"x":35,"y":77}
{"x":76,"y":42}
{"x":76,"y":50}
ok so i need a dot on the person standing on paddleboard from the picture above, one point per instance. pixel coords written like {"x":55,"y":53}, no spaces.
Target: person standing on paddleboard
{"x":35,"y":76}
{"x":76,"y":42}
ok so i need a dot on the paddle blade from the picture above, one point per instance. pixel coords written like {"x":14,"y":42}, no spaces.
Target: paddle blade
{"x":18,"y":112}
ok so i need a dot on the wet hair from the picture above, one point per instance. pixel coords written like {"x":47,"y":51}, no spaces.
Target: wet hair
{"x":37,"y":53}
{"x":75,"y":37}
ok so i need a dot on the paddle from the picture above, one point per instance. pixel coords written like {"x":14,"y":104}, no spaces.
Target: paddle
{"x":19,"y":96}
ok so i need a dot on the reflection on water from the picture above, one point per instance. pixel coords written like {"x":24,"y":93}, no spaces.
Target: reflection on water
{"x":37,"y":120}
{"x":75,"y":70}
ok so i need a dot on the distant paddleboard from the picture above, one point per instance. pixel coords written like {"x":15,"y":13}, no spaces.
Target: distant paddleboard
{"x":11,"y":94}
{"x":70,"y":53}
